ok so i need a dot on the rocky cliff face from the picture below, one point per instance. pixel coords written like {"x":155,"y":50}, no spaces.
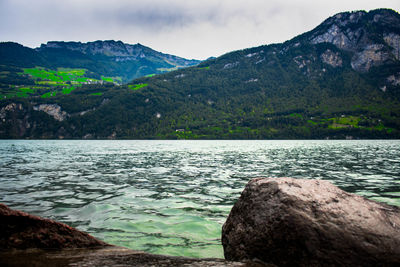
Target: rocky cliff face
{"x":15,"y":120}
{"x":331,"y":58}
{"x":373,"y":38}
{"x":53,"y":110}
{"x":118,"y":50}
{"x":30,"y":120}
{"x":109,"y":48}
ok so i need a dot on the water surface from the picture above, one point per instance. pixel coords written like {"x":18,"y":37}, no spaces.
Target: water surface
{"x":172,"y":197}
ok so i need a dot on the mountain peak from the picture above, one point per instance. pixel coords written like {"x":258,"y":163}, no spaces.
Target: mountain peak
{"x":352,"y":31}
{"x":373,"y":36}
{"x":107,"y":47}
{"x":384,"y":17}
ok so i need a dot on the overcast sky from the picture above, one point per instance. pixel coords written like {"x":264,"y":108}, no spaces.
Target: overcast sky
{"x":187,"y":28}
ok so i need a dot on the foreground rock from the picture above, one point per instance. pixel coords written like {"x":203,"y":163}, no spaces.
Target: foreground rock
{"x":27,"y":240}
{"x":110,"y":256}
{"x":310,"y":223}
{"x":19,"y":230}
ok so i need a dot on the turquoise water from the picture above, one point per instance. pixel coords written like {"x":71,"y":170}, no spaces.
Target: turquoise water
{"x":172,"y":197}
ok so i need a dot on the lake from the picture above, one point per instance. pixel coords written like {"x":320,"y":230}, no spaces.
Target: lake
{"x":172,"y":197}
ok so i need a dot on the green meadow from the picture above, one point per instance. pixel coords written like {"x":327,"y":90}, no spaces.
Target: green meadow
{"x":49,"y":83}
{"x":98,"y":94}
{"x":137,"y":86}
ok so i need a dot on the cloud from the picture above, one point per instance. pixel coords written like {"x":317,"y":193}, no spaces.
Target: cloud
{"x":160,"y":15}
{"x":188,"y":28}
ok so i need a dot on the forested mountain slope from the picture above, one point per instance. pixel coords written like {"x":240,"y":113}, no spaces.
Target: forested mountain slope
{"x":340,"y":80}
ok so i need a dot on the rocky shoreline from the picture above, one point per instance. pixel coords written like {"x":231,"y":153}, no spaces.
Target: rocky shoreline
{"x":109,"y":256}
{"x":275,"y":222}
{"x":27,"y":240}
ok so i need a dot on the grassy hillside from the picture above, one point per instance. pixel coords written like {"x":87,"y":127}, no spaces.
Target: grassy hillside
{"x":42,"y":82}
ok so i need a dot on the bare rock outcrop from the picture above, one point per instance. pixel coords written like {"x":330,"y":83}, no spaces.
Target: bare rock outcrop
{"x":53,"y":110}
{"x":295,"y":222}
{"x":393,"y":40}
{"x":9,"y":108}
{"x":372,"y":55}
{"x":394,"y":79}
{"x":351,"y":32}
{"x":331,"y":58}
{"x":334,"y":35}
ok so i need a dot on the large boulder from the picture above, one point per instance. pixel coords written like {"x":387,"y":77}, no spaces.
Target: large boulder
{"x":19,"y":230}
{"x":299,"y":222}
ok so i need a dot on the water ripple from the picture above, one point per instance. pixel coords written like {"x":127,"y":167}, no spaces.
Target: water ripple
{"x":172,"y":197}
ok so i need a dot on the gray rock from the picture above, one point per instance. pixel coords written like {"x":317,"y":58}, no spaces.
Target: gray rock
{"x":331,"y":58}
{"x":310,"y":223}
{"x":394,"y":79}
{"x":348,"y":31}
{"x":53,"y":110}
{"x":393,"y":40}
{"x":231,"y":65}
{"x":372,"y":55}
{"x":334,"y":35}
{"x":119,"y":51}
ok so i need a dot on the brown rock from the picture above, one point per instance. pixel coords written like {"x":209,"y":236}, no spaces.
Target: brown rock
{"x":27,"y":240}
{"x":111,"y":256}
{"x":19,"y":230}
{"x":299,"y":222}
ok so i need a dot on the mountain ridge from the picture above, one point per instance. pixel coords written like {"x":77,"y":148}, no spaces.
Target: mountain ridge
{"x":108,"y":58}
{"x":339,"y":80}
{"x":116,"y":49}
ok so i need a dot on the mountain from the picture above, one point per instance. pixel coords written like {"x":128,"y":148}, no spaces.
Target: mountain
{"x":339,"y":80}
{"x":102,"y":58}
{"x":118,"y":52}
